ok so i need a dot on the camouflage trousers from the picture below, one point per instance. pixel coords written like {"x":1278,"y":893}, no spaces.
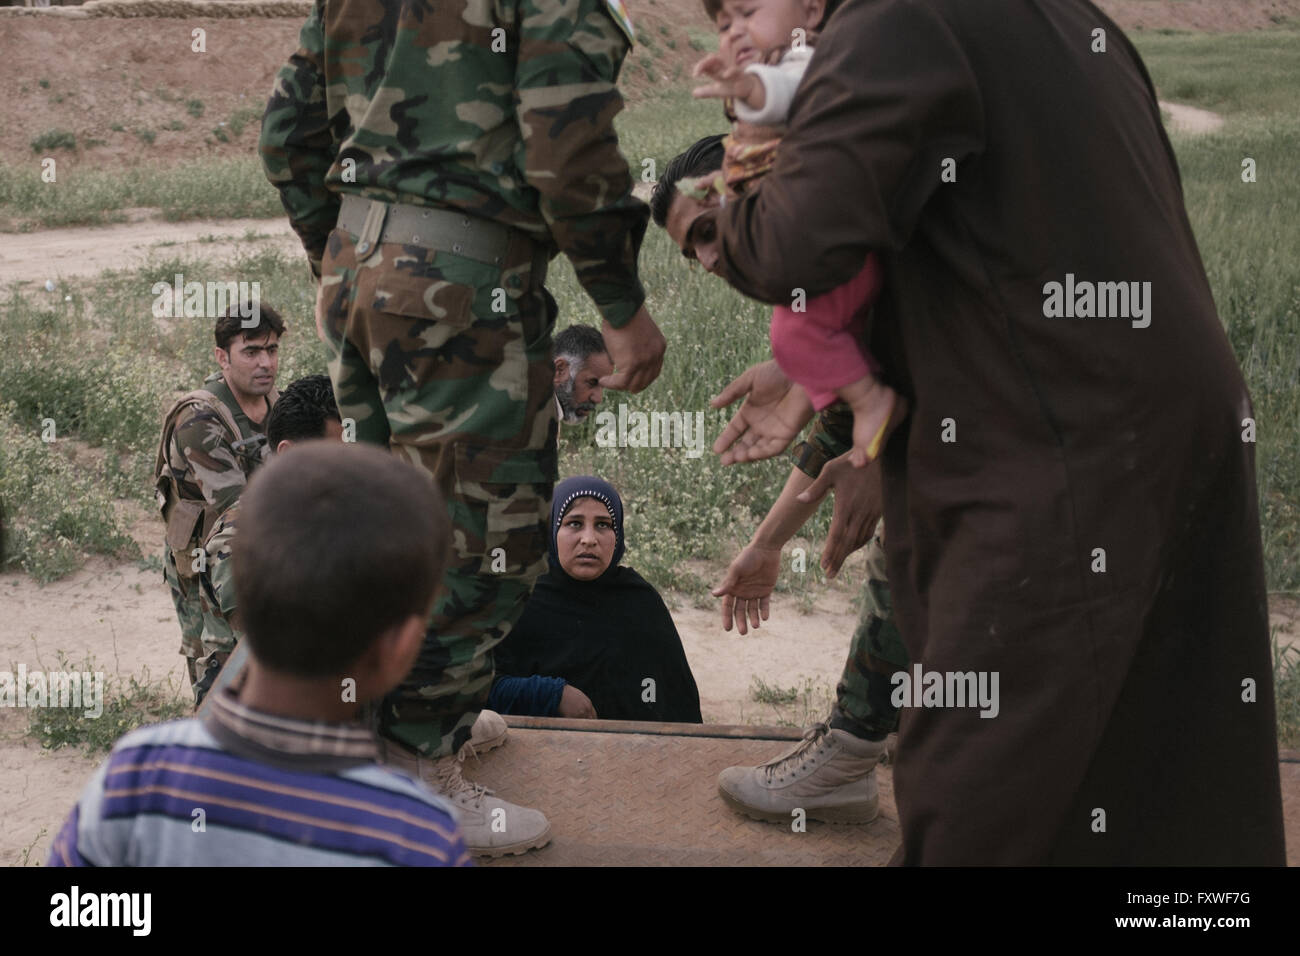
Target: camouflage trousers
{"x":448,"y":362}
{"x":185,"y":595}
{"x":876,"y":653}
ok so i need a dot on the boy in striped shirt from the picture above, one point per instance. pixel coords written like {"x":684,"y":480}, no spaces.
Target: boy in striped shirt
{"x":338,"y":556}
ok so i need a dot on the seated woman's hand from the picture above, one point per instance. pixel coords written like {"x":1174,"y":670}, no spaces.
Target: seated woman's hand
{"x":574,"y":703}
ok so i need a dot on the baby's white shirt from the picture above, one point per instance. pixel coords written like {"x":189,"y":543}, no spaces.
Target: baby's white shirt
{"x":779,"y":83}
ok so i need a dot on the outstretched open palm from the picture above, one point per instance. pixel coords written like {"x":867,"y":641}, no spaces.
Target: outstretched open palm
{"x":746,"y":591}
{"x":775,"y":410}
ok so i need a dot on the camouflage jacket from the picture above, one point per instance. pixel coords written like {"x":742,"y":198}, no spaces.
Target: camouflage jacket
{"x":217,"y":587}
{"x":205,"y":464}
{"x":500,"y":108}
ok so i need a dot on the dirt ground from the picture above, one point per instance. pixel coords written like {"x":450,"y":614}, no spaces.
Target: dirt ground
{"x":113,"y":83}
{"x":142,"y":76}
{"x":34,"y":257}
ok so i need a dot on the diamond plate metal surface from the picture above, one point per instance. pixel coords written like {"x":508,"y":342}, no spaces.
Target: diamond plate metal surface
{"x":651,"y":799}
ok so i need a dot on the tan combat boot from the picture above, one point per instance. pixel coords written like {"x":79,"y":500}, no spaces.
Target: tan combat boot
{"x":489,"y":732}
{"x":489,"y":825}
{"x":830,"y":775}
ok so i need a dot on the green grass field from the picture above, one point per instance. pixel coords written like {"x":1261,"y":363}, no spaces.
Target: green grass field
{"x":101,"y":367}
{"x":208,"y":189}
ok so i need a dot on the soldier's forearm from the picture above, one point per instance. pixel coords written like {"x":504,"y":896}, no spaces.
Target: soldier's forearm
{"x":566,"y":78}
{"x":594,"y":220}
{"x":297,"y":145}
{"x":787,"y":514}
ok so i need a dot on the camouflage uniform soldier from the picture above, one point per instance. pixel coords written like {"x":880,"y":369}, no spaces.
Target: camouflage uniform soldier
{"x":862,"y":697}
{"x":211,"y":442}
{"x":305,"y":410}
{"x":830,"y":773}
{"x":433,"y":159}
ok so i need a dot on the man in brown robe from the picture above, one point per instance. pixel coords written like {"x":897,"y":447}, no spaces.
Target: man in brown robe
{"x":1071,"y":505}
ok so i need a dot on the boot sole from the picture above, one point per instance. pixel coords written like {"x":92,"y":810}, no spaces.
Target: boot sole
{"x":834,"y":815}
{"x":513,"y":849}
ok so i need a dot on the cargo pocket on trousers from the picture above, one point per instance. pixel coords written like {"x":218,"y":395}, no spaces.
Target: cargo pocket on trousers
{"x":506,"y":493}
{"x":422,"y":297}
{"x":411,"y":322}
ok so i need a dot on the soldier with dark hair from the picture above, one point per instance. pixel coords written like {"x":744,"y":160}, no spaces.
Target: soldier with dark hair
{"x":704,"y":156}
{"x":305,"y":410}
{"x":433,"y":160}
{"x":212,"y":440}
{"x":830,"y":774}
{"x":580,"y":363}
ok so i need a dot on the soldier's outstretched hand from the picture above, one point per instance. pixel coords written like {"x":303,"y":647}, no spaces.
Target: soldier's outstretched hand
{"x":859,"y":503}
{"x":746,"y":591}
{"x":637,"y":350}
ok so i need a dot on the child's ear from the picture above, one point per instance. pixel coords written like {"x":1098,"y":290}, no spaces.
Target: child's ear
{"x":395,"y":651}
{"x":814,"y":10}
{"x":409,"y":640}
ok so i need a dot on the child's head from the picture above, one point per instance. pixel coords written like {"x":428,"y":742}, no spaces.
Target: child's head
{"x":749,"y":29}
{"x":340,"y":547}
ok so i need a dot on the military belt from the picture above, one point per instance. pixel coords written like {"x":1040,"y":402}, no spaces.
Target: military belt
{"x":429,"y":227}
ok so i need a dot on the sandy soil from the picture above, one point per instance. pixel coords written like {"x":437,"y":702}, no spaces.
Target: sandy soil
{"x":1190,"y":119}
{"x":32,"y":258}
{"x":88,"y":250}
{"x":1201,"y":16}
{"x":142,"y":75}
{"x":112,"y":83}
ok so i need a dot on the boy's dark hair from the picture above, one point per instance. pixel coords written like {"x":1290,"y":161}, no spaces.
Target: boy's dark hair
{"x":704,"y":156}
{"x":337,"y":544}
{"x":231,"y":325}
{"x":301,"y":411}
{"x":578,"y":343}
{"x":712,"y":8}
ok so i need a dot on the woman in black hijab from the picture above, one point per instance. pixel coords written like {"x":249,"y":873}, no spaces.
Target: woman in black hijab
{"x":595,"y":636}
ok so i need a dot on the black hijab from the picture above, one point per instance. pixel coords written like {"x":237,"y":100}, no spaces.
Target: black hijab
{"x":608,"y":636}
